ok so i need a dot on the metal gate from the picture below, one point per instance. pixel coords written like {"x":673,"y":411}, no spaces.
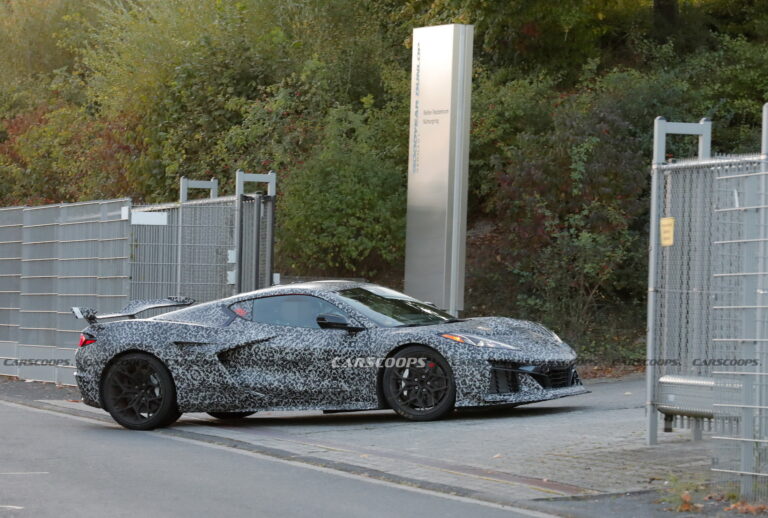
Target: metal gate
{"x":707,"y":305}
{"x":680,"y":282}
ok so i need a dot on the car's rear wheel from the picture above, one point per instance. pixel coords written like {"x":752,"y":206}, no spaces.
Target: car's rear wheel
{"x":418,"y":384}
{"x":139,"y":393}
{"x":230,"y":415}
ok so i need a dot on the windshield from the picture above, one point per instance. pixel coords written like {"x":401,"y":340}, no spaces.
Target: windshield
{"x":389,"y":308}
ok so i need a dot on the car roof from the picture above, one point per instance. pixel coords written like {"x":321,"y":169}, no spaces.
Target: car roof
{"x":308,"y":288}
{"x":304,"y":287}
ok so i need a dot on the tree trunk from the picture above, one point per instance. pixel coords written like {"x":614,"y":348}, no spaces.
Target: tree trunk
{"x":666,"y":17}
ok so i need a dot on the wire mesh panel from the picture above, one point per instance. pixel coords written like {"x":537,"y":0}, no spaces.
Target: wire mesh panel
{"x":207,"y":239}
{"x":11,"y":220}
{"x":183,"y":249}
{"x":71,"y":255}
{"x":92,"y":252}
{"x":740,"y":329}
{"x":38,"y":314}
{"x":101,"y":254}
{"x":53,"y":257}
{"x":684,"y":269}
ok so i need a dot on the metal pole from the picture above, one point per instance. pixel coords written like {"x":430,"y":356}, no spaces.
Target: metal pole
{"x":270,"y":251}
{"x":705,"y":139}
{"x":183,"y":189}
{"x":257,"y":208}
{"x":214,"y":187}
{"x":238,"y":230}
{"x":659,"y":148}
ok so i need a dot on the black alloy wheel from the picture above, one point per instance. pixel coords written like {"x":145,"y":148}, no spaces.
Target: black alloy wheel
{"x":139,"y":393}
{"x":418,"y":384}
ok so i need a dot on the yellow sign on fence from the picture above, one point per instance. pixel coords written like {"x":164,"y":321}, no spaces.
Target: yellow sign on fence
{"x":667,"y":231}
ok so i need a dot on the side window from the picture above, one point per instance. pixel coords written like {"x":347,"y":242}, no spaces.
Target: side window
{"x":291,"y":310}
{"x":243,"y":308}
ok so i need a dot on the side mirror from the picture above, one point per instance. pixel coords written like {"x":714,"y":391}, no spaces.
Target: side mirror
{"x":334,"y":321}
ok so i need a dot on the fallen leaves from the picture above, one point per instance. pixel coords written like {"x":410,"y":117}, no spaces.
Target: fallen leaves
{"x":687,"y":505}
{"x":745,"y":508}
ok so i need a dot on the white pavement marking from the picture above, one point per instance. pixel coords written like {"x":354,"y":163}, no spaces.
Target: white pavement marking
{"x":518,"y":510}
{"x":11,"y":507}
{"x":27,"y":473}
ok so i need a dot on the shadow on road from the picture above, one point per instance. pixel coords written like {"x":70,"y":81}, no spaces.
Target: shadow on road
{"x":291,"y":419}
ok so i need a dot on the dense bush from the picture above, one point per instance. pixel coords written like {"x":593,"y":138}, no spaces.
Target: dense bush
{"x":107,"y":98}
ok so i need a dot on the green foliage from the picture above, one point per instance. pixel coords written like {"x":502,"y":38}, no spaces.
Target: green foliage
{"x":61,"y":155}
{"x":342,"y":211}
{"x":565,"y":192}
{"x":38,"y":36}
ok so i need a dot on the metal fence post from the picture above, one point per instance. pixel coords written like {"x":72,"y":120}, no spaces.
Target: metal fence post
{"x":239,"y":230}
{"x":183,"y":189}
{"x":659,"y":146}
{"x":270,"y":252}
{"x":257,"y":208}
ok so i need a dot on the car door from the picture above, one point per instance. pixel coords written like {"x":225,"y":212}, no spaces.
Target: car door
{"x":295,"y":368}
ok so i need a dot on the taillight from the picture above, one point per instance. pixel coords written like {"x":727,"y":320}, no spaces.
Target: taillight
{"x":86,"y":340}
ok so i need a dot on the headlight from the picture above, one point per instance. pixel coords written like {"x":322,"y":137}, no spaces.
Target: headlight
{"x":478,"y":341}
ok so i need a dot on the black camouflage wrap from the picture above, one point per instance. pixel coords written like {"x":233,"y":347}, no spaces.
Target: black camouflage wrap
{"x":221,"y":362}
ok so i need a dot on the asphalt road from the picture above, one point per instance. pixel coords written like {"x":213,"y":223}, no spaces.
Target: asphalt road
{"x":59,"y":465}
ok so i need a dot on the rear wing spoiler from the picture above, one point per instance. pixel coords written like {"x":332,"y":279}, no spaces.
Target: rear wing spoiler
{"x":132,"y":309}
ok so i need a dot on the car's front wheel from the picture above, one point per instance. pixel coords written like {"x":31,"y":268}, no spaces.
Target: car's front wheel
{"x":418,"y":384}
{"x":138,"y":392}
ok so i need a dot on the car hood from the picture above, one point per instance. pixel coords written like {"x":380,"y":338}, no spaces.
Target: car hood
{"x":527,"y":336}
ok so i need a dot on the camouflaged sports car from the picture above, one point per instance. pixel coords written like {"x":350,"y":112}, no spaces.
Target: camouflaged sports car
{"x":326,"y":345}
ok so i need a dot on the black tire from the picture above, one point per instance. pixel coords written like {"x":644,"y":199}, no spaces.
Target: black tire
{"x":416,"y":392}
{"x":139,"y":393}
{"x":230,"y":415}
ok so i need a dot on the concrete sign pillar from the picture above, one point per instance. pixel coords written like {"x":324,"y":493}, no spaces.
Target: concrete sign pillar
{"x":441,"y":84}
